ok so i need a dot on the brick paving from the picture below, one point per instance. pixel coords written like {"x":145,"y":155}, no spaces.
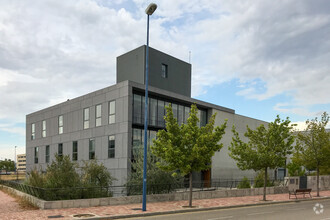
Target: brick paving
{"x":9,"y":209}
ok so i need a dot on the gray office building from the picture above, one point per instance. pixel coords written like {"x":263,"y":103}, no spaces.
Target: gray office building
{"x":107,"y":124}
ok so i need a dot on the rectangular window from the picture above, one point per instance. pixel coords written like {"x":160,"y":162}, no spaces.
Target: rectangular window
{"x":33,"y":131}
{"x":86,"y":118}
{"x":47,"y":154}
{"x":161,"y":113}
{"x":164,"y":70}
{"x":75,"y":150}
{"x":112,"y":112}
{"x":98,"y":115}
{"x":43,"y":128}
{"x":153,"y":112}
{"x":91,"y":148}
{"x":60,"y":124}
{"x":175,"y":111}
{"x":203,"y":118}
{"x":60,"y":149}
{"x":36,"y":154}
{"x":180,"y":114}
{"x":137,"y":107}
{"x":111,"y":147}
{"x":186,"y":114}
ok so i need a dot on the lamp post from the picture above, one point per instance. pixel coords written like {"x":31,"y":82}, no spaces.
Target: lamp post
{"x":16,"y":164}
{"x":149,"y":11}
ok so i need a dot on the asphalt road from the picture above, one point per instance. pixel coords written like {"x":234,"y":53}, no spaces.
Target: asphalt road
{"x":298,"y":210}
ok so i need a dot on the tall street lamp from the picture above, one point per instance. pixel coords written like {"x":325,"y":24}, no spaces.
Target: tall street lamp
{"x":149,"y":11}
{"x":16,"y":164}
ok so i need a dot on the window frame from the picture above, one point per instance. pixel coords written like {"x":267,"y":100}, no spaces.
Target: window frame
{"x":33,"y":131}
{"x":91,"y":154}
{"x":44,"y":127}
{"x":86,"y":121}
{"x":74,"y":152}
{"x":60,"y":124}
{"x":98,"y":117}
{"x":36,"y":155}
{"x":164,"y":70}
{"x":112,"y":115}
{"x":47,"y":153}
{"x":111,"y":146}
{"x":60,"y":146}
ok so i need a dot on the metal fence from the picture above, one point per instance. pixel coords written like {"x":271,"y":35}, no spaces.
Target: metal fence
{"x":51,"y":194}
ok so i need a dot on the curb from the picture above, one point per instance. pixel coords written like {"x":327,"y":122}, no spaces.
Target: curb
{"x":205,"y":209}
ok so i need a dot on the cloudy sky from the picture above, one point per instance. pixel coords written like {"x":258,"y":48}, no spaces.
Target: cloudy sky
{"x":261,"y":58}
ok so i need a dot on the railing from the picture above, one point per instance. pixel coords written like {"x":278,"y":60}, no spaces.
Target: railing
{"x":51,"y":194}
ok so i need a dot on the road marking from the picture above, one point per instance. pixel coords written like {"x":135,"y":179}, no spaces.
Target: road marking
{"x":224,"y":217}
{"x":325,"y":218}
{"x":259,"y":213}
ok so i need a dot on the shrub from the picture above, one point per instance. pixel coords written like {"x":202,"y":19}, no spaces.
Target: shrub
{"x":244,"y":184}
{"x":259,"y":180}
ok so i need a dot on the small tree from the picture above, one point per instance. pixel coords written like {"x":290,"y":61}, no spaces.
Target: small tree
{"x":61,"y":173}
{"x":244,"y":184}
{"x":266,"y":148}
{"x":259,"y":180}
{"x":187,"y":148}
{"x":94,"y":174}
{"x":7,"y":165}
{"x":159,"y":180}
{"x":313,"y":147}
{"x":295,"y":169}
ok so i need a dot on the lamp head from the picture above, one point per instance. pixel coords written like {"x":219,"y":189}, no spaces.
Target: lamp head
{"x":151,"y":8}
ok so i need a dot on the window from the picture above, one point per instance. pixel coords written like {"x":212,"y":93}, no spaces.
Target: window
{"x":112,"y":112}
{"x":98,"y":115}
{"x":60,"y":124}
{"x":180,"y":114}
{"x":161,"y":113}
{"x":111,"y":147}
{"x":91,"y":148}
{"x":137,"y":107}
{"x":43,"y":128}
{"x":36,"y":154}
{"x":47,"y":154}
{"x":164,"y":70}
{"x":60,"y":150}
{"x":175,"y":110}
{"x":186,"y":114}
{"x":33,"y":131}
{"x":86,"y":118}
{"x":153,"y":112}
{"x":75,"y":150}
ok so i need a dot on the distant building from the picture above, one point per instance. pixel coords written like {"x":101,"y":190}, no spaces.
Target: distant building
{"x":108,"y":124}
{"x":21,"y":162}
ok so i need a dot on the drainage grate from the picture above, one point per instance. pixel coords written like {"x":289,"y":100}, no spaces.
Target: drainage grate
{"x":83,"y":215}
{"x":136,"y":209}
{"x":56,"y":216}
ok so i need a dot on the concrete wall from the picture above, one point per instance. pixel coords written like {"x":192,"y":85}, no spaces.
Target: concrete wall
{"x":293,"y":182}
{"x":72,"y":111}
{"x":178,"y":196}
{"x":223,"y":166}
{"x":131,"y":66}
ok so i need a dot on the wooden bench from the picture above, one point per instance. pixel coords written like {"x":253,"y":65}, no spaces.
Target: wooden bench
{"x":300,"y":192}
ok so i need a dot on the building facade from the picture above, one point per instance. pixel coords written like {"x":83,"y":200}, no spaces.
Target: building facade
{"x":107,"y":124}
{"x":21,"y":163}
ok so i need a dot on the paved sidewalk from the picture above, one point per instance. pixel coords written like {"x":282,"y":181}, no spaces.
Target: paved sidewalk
{"x":10,"y":210}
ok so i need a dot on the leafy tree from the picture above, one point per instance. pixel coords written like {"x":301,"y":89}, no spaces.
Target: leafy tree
{"x":95,"y":174}
{"x":295,"y":169}
{"x":7,"y":165}
{"x":159,"y":180}
{"x":244,"y":184}
{"x":187,"y":148}
{"x":313,"y":146}
{"x":62,"y":173}
{"x":266,"y":148}
{"x":259,"y":180}
{"x":35,"y":178}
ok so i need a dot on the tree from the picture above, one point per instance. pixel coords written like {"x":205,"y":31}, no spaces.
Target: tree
{"x":313,"y":146}
{"x":7,"y":165}
{"x":244,"y":184}
{"x":295,"y":169}
{"x":95,"y":174}
{"x":266,"y":148}
{"x":187,"y":148}
{"x":159,"y":181}
{"x":61,"y":173}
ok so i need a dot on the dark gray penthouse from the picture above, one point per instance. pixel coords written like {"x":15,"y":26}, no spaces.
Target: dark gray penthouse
{"x":107,"y":125}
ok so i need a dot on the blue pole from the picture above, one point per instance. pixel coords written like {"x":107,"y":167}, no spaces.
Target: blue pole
{"x":144,"y":198}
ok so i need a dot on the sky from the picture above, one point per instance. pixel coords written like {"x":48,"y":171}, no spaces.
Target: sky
{"x":261,"y":58}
